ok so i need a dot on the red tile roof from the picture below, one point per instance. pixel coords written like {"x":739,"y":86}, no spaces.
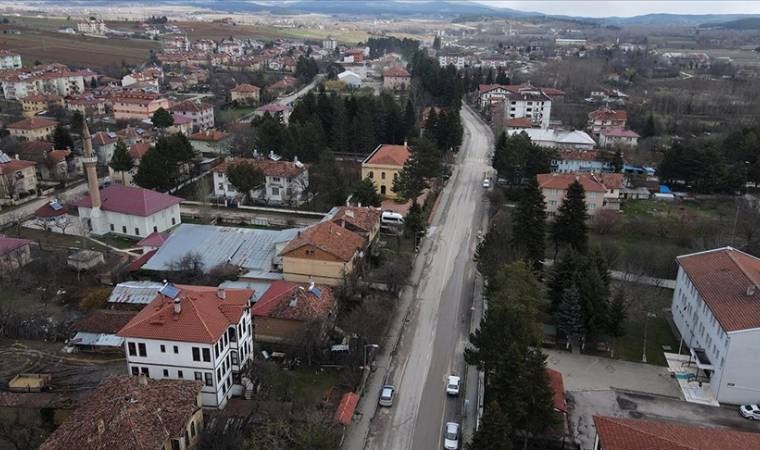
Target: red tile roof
{"x":204,"y":316}
{"x":208,"y":135}
{"x":558,"y":389}
{"x":134,"y":201}
{"x":246,"y":88}
{"x":103,"y":138}
{"x":722,"y":278}
{"x":520,"y":122}
{"x":8,"y":244}
{"x":191,"y":106}
{"x":130,"y":414}
{"x":364,"y":218}
{"x":346,"y":408}
{"x":47,"y":211}
{"x":14,"y":165}
{"x":30,"y":149}
{"x":155,"y":239}
{"x":562,"y":181}
{"x":104,"y":321}
{"x":631,"y":434}
{"x":329,"y":238}
{"x":266,"y":166}
{"x":567,"y":154}
{"x":276,"y":302}
{"x":395,"y":71}
{"x":389,"y":155}
{"x":137,"y":264}
{"x":611,"y":180}
{"x":32,"y":124}
{"x":137,"y":150}
{"x":607,"y":114}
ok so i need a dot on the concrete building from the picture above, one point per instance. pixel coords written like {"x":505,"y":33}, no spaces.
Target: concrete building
{"x":92,"y":26}
{"x":134,"y":412}
{"x":383,"y":165}
{"x":9,"y":59}
{"x":104,"y":144}
{"x":35,"y":104}
{"x":396,"y":78}
{"x":193,"y":332}
{"x":211,"y":142}
{"x":716,"y":310}
{"x":605,"y":118}
{"x":18,"y":179}
{"x":573,"y":161}
{"x":351,"y":79}
{"x":137,"y":105}
{"x":245,"y":93}
{"x":201,"y":114}
{"x":577,"y":139}
{"x":35,"y":128}
{"x":52,"y":79}
{"x":285,"y":182}
{"x":602,"y":190}
{"x":618,"y":137}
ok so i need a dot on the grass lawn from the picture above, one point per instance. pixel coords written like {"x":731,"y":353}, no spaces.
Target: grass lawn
{"x":229,"y":115}
{"x":117,"y":241}
{"x":47,"y":239}
{"x":308,"y":384}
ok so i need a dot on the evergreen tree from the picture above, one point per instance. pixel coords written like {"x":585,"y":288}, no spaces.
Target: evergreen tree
{"x":62,"y":139}
{"x":528,"y":231}
{"x":437,"y":42}
{"x":424,"y":162}
{"x":415,"y":222}
{"x":562,"y":277}
{"x":618,"y":314}
{"x":649,"y":129}
{"x":162,"y":119}
{"x":617,"y":161}
{"x":152,"y":171}
{"x":569,"y":315}
{"x":270,"y":134}
{"x":495,"y":431}
{"x":327,"y":181}
{"x":366,"y":193}
{"x":410,"y":120}
{"x":494,"y":251}
{"x":121,"y":161}
{"x":569,"y":226}
{"x":245,"y":177}
{"x":77,"y":121}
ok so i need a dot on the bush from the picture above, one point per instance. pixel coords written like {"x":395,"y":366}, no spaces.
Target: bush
{"x":95,"y":299}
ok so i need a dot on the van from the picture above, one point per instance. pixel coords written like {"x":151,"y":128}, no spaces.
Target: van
{"x":390,"y":218}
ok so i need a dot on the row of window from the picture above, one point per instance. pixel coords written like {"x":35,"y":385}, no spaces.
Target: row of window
{"x":137,"y":229}
{"x":371,"y":175}
{"x":186,"y":440}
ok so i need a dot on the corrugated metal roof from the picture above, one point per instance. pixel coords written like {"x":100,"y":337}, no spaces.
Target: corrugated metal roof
{"x":249,"y":248}
{"x":97,"y":339}
{"x":137,"y":292}
{"x":259,"y":287}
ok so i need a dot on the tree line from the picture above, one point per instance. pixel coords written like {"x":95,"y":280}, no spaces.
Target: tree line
{"x":379,"y":46}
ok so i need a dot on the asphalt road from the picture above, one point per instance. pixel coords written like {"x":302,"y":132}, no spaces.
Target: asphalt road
{"x":433,"y":342}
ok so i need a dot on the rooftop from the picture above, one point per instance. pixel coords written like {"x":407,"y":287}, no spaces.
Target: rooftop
{"x":268,"y":167}
{"x":104,"y":321}
{"x":8,"y":244}
{"x":606,"y":114}
{"x":364,"y":218}
{"x":388,"y":155}
{"x":562,"y":181}
{"x":728,"y":281}
{"x":395,"y":71}
{"x":134,"y":201}
{"x":329,"y":238}
{"x":205,"y":314}
{"x":135,"y":292}
{"x":245,"y":88}
{"x":128,"y":413}
{"x":32,"y":123}
{"x":620,"y":132}
{"x":155,"y":239}
{"x":557,"y":137}
{"x":294,"y":301}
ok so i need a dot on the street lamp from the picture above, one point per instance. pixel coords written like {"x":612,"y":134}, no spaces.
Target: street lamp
{"x":365,"y":352}
{"x":646,"y":323}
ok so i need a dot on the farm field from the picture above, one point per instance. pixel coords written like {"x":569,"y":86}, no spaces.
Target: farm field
{"x":218,"y":31}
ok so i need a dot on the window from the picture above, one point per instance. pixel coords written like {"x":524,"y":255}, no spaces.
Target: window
{"x":145,"y":371}
{"x":218,"y":374}
{"x":176,"y":350}
{"x":235,"y":361}
{"x":275,"y":179}
{"x":180,"y":374}
{"x":155,"y":229}
{"x":176,"y":445}
{"x":137,"y":231}
{"x":209,"y":378}
{"x":206,"y":355}
{"x":113,"y":228}
{"x":216,"y":349}
{"x":196,"y":354}
{"x":135,"y":371}
{"x":192,"y":428}
{"x":233,"y":337}
{"x":275,"y":191}
{"x":163,"y":348}
{"x":141,"y":350}
{"x":382,"y":175}
{"x":198,"y":376}
{"x":371,"y":174}
{"x":132,"y":349}
{"x":221,"y":186}
{"x":174,"y":221}
{"x":166,"y":372}
{"x":124,"y":229}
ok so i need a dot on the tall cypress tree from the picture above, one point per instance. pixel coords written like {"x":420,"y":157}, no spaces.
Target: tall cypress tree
{"x":121,"y":161}
{"x":410,"y":120}
{"x":569,"y":315}
{"x":569,"y":226}
{"x":528,"y":228}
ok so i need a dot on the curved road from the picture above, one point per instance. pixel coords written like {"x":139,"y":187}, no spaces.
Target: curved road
{"x":433,"y":342}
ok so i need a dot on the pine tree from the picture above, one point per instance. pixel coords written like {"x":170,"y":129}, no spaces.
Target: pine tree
{"x":62,"y":139}
{"x":153,"y":170}
{"x":245,"y":177}
{"x":650,"y":128}
{"x":121,"y":161}
{"x":162,"y":118}
{"x":569,"y":226}
{"x":617,"y":161}
{"x":495,"y":431}
{"x":618,"y":314}
{"x":410,"y":120}
{"x":569,"y":315}
{"x":414,"y":222}
{"x":366,"y":193}
{"x":528,"y":229}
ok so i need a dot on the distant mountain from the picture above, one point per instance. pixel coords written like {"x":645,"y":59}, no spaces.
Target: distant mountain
{"x":748,"y":23}
{"x":684,"y":20}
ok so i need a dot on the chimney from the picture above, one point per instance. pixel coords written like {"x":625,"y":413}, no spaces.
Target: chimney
{"x":311,"y":286}
{"x":177,"y":306}
{"x":405,"y":144}
{"x":221,"y":293}
{"x":295,"y":159}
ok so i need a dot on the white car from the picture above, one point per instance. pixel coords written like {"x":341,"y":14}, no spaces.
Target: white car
{"x":386,"y":395}
{"x":452,"y":385}
{"x":451,"y":436}
{"x":486,"y":183}
{"x":750,"y":412}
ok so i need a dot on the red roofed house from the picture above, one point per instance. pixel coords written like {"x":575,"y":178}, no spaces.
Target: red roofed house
{"x":245,"y":93}
{"x":557,"y":385}
{"x":604,"y":118}
{"x":716,"y":309}
{"x":14,"y":253}
{"x":396,"y":78}
{"x":285,"y":182}
{"x":136,"y":105}
{"x":130,"y":211}
{"x":136,"y":152}
{"x":613,"y":137}
{"x":362,"y":220}
{"x":18,"y":178}
{"x":104,"y":144}
{"x":614,"y":433}
{"x":323,"y":253}
{"x":197,"y":333}
{"x":383,"y":165}
{"x":598,"y":196}
{"x":289,"y":312}
{"x":51,"y":164}
{"x":201,"y":114}
{"x":134,"y":413}
{"x":32,"y":128}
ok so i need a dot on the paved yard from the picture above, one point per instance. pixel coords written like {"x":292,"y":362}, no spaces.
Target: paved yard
{"x":583,"y":405}
{"x":584,"y":372}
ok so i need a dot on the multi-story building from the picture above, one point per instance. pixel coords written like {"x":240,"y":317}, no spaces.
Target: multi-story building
{"x":551,"y":137}
{"x":329,"y":44}
{"x":202,"y":114}
{"x":618,"y":137}
{"x":605,"y":118}
{"x":245,"y":93}
{"x":521,"y":101}
{"x":87,"y":105}
{"x":383,"y":165}
{"x":35,"y":104}
{"x":54,"y":79}
{"x":92,"y":26}
{"x":32,"y":128}
{"x":602,"y":190}
{"x":231,"y":47}
{"x":137,"y":105}
{"x":572,"y":161}
{"x":9,"y":59}
{"x":193,"y":332}
{"x":104,"y":144}
{"x":285,"y":183}
{"x":716,"y":308}
{"x":396,"y":78}
{"x":18,"y":178}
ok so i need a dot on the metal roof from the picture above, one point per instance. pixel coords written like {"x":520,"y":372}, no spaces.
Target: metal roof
{"x":252,"y":249}
{"x":97,"y":339}
{"x":259,"y":287}
{"x":136,"y":292}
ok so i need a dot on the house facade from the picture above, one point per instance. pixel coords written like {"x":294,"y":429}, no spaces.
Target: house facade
{"x":33,"y":128}
{"x":618,"y":137}
{"x":18,"y":179}
{"x":245,"y":93}
{"x":572,"y":161}
{"x":201,"y":114}
{"x":197,"y":333}
{"x":35,"y":104}
{"x":606,"y":118}
{"x":715,"y":309}
{"x":383,"y":165}
{"x":55,"y":79}
{"x":396,"y":78}
{"x":285,"y":182}
{"x":9,"y":59}
{"x":104,"y":144}
{"x":137,"y":105}
{"x":554,"y":187}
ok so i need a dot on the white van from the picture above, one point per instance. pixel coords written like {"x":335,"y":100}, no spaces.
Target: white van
{"x":390,"y":218}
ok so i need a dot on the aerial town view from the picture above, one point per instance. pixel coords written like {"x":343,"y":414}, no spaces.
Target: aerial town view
{"x":380,"y":225}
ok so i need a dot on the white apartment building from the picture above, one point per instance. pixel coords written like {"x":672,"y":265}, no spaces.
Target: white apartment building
{"x":53,"y":79}
{"x":201,"y":114}
{"x":531,"y":103}
{"x":199,"y":333}
{"x":286,"y":182}
{"x":716,"y":308}
{"x":9,"y":59}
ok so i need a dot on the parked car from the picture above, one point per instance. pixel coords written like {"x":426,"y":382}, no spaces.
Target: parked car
{"x":750,"y":412}
{"x":386,"y":395}
{"x":451,"y":436}
{"x":487,"y":183}
{"x":452,"y":385}
{"x":390,"y":218}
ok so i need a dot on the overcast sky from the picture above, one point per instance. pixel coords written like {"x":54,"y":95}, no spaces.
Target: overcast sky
{"x":629,"y":8}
